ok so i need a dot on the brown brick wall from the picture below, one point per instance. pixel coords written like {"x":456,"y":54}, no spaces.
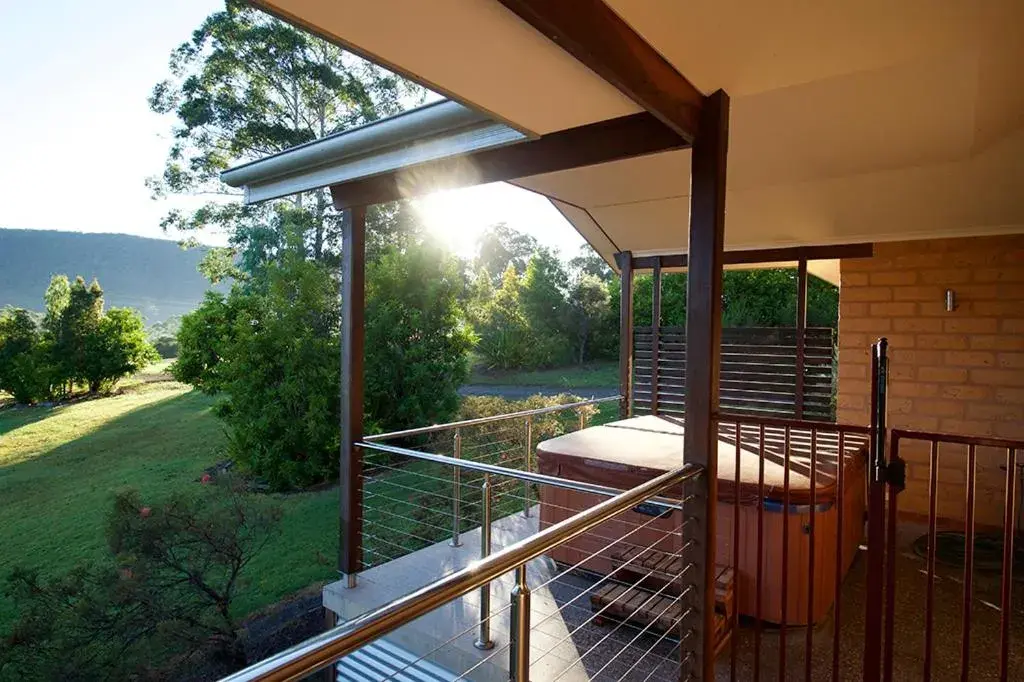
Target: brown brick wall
{"x":958,"y":372}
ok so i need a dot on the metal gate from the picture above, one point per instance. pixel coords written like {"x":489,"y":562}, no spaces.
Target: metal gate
{"x":886,"y":480}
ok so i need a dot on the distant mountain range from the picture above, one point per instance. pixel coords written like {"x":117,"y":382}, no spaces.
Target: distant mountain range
{"x":155,"y":276}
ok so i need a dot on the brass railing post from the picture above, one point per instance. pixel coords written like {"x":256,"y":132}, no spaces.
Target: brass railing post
{"x":483,"y":640}
{"x":519,"y":633}
{"x":526,"y":465}
{"x":456,"y":495}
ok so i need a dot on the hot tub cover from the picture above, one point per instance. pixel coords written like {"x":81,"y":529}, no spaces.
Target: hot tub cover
{"x":625,"y":453}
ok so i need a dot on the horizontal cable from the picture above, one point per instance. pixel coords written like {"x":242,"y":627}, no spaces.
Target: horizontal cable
{"x":607,"y":606}
{"x":322,"y":650}
{"x":624,"y":621}
{"x":543,"y":479}
{"x":485,"y":420}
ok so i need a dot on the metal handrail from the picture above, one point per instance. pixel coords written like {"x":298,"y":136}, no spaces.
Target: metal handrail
{"x":529,"y":476}
{"x":323,"y":650}
{"x":485,"y":420}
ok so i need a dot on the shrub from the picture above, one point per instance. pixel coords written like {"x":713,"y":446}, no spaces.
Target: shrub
{"x":271,"y":349}
{"x":417,"y":338}
{"x":165,"y":588}
{"x":23,"y":358}
{"x":505,"y":339}
{"x":166,"y":346}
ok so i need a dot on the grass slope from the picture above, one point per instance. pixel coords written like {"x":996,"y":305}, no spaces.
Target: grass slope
{"x":61,"y":466}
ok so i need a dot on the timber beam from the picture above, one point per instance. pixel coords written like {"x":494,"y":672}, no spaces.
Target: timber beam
{"x":597,"y":37}
{"x":750,"y":257}
{"x":595,"y":143}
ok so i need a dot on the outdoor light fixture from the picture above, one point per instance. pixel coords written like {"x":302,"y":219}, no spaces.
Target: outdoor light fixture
{"x":950,"y":300}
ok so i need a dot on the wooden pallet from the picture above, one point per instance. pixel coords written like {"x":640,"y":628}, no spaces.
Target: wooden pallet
{"x":648,"y":609}
{"x":640,"y":574}
{"x":656,"y":571}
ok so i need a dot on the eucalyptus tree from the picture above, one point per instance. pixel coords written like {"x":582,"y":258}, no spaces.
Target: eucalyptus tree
{"x":245,"y":86}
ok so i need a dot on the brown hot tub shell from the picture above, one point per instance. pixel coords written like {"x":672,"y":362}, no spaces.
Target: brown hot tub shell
{"x":626,"y":453}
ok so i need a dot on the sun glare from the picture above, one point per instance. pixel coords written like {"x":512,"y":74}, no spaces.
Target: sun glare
{"x":458,"y":217}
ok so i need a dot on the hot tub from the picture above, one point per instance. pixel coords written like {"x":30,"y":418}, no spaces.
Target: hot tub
{"x":626,"y":453}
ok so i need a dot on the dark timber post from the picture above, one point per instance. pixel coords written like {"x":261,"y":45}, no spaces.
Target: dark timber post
{"x":801,"y":335}
{"x":625,"y":262}
{"x":353,"y":275}
{"x":703,"y":351}
{"x":655,"y":334}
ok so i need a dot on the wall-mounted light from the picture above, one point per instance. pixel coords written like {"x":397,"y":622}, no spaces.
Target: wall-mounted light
{"x":950,"y":300}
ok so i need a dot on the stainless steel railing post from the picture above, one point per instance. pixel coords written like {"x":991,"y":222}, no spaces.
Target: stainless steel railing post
{"x":519,"y":633}
{"x":456,"y":491}
{"x":526,"y":465}
{"x":483,"y":640}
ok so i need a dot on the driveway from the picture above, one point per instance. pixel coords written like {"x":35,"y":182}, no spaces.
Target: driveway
{"x":521,"y":392}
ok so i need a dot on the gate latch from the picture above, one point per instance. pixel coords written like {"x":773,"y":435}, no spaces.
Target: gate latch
{"x":896,"y":474}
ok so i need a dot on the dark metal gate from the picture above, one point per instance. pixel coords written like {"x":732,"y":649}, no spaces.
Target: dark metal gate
{"x":886,"y":480}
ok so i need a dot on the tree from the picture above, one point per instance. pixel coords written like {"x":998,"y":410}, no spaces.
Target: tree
{"x":204,"y":339}
{"x":75,"y":330}
{"x":270,"y":350}
{"x":503,"y":329}
{"x":277,"y":367}
{"x":543,"y":297}
{"x":169,"y":581}
{"x":588,"y":262}
{"x":23,"y":371}
{"x":500,"y":246}
{"x":417,"y":338}
{"x":116,"y":348}
{"x":247,"y":86}
{"x":589,"y":305}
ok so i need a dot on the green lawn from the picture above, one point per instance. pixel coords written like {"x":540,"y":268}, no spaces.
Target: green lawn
{"x":60,"y":467}
{"x":591,"y":375}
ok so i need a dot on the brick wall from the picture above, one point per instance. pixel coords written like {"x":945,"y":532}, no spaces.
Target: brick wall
{"x":958,"y":372}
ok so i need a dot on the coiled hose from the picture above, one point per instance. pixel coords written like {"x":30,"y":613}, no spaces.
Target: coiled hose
{"x":988,"y":551}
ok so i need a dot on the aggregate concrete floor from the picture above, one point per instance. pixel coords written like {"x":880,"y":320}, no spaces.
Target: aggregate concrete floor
{"x":566,"y":645}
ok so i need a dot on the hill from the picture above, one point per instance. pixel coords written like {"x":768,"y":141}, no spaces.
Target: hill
{"x":154,"y":276}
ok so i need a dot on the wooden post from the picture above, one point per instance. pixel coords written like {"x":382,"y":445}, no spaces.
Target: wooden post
{"x":801,"y":335}
{"x":703,"y":351}
{"x":625,"y":262}
{"x":353,"y":276}
{"x":655,"y":334}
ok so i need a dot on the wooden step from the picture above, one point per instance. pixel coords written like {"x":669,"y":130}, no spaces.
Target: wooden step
{"x":654,"y":570}
{"x":648,"y":609}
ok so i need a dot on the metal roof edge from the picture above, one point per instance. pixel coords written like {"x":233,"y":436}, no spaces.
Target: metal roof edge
{"x":308,"y":166}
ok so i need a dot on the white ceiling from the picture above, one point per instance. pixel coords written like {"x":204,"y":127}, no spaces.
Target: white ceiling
{"x":851,"y":121}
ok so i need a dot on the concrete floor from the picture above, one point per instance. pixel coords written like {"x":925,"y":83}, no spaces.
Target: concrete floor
{"x":565,"y":645}
{"x":909,"y":626}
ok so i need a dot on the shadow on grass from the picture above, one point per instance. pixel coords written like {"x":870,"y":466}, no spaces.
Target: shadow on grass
{"x":54,"y":501}
{"x":55,"y":496}
{"x":16,"y":416}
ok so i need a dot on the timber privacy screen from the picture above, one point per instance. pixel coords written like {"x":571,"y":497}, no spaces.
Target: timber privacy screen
{"x":759,"y":372}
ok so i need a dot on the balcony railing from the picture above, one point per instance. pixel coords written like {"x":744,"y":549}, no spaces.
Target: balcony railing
{"x":324,"y":650}
{"x":410,"y":503}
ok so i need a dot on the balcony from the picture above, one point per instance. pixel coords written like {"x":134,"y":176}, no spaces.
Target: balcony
{"x":612,"y":598}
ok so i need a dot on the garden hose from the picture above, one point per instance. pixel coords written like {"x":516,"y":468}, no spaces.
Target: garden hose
{"x":988,"y":551}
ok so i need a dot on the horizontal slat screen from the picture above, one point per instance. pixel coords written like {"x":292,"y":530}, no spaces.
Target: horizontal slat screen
{"x":758,"y":372}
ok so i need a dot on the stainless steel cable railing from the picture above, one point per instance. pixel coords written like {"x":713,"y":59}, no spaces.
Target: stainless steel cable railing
{"x":322,"y":651}
{"x":419,"y":492}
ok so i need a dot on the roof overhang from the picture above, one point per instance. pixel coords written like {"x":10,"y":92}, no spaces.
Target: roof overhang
{"x":859,"y":121}
{"x":435,"y":131}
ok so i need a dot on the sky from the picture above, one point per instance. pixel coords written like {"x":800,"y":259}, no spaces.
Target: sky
{"x":77,"y":138}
